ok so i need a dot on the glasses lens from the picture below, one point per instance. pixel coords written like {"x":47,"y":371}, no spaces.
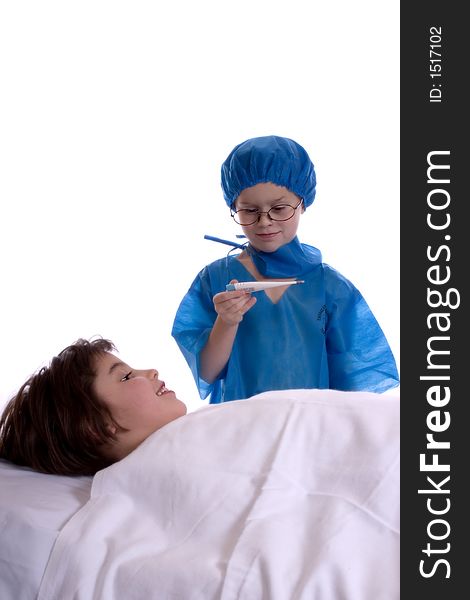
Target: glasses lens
{"x":248,"y":216}
{"x":245,"y":217}
{"x":282,"y":212}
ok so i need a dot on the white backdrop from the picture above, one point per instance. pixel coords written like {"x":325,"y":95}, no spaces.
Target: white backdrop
{"x":115,"y":119}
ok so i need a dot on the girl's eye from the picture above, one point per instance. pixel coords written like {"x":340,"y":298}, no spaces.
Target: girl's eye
{"x":127,"y":377}
{"x":280,"y":208}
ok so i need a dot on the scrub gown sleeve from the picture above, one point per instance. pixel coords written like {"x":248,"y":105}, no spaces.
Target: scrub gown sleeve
{"x":193,"y":323}
{"x":359,"y":356}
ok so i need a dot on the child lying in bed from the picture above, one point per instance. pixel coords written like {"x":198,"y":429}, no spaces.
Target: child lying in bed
{"x":294,"y":494}
{"x":85,"y":411}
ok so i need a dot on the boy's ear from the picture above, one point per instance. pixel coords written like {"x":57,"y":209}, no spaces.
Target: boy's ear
{"x":109,"y":426}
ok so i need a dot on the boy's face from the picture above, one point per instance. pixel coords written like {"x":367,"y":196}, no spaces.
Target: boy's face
{"x":138,"y":401}
{"x":265,"y":234}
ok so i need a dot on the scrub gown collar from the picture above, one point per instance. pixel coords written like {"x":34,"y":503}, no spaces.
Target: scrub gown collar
{"x":291,"y":260}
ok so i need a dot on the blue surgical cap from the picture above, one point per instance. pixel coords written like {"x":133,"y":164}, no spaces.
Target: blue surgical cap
{"x":270,"y":158}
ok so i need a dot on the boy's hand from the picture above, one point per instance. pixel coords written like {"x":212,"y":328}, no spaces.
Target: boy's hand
{"x":231,"y":306}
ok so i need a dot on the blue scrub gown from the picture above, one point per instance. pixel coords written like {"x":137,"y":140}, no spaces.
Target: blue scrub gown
{"x":320,"y":334}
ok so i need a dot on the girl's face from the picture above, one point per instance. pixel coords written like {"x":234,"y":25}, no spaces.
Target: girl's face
{"x":265,"y":234}
{"x":138,"y":401}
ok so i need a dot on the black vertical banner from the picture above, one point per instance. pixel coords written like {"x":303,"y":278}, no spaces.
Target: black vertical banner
{"x":435,"y":354}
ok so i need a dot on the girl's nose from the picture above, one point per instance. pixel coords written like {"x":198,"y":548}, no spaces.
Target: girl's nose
{"x":152,"y":373}
{"x":264,"y":216}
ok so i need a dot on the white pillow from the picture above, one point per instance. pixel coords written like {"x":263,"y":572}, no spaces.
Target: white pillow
{"x":33,"y":509}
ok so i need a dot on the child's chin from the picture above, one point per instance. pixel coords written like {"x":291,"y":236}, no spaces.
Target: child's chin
{"x":268,"y":246}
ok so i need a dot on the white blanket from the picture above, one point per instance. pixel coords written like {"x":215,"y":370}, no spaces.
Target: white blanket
{"x":288,"y":495}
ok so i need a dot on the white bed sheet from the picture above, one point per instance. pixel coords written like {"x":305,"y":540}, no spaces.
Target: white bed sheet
{"x":287,"y":495}
{"x":33,"y":509}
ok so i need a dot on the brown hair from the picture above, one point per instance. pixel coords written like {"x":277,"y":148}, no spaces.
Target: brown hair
{"x":56,"y":423}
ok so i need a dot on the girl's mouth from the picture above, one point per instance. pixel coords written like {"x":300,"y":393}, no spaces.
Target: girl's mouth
{"x":267,"y":236}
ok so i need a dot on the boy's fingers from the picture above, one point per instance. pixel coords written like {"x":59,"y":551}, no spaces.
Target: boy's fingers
{"x":227,"y":296}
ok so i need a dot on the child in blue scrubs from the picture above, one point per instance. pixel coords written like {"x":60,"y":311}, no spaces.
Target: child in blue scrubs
{"x":319,"y":334}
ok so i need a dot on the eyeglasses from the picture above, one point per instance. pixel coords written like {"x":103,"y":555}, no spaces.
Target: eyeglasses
{"x":249,"y":216}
